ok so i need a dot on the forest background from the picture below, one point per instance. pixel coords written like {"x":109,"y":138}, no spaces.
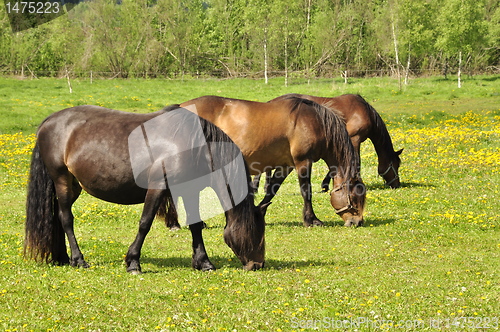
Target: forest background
{"x":258,"y":38}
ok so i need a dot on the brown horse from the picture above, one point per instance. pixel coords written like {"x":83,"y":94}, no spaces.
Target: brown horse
{"x":286,"y":134}
{"x":128,"y":158}
{"x":362,"y":122}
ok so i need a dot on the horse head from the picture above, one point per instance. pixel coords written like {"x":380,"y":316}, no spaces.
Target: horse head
{"x":388,"y":170}
{"x":246,"y":239}
{"x":348,"y":200}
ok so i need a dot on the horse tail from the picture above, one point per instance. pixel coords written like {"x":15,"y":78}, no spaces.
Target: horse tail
{"x":168,"y":212}
{"x":44,"y":235}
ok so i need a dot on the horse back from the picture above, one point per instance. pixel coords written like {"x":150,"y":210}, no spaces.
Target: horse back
{"x":269,"y":134}
{"x":90,"y":144}
{"x":259,"y":130}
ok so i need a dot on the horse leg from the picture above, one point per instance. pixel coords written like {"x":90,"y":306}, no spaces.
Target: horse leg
{"x":325,"y":184}
{"x":255,"y":183}
{"x":152,"y":202}
{"x":274,"y":184}
{"x":269,"y":176}
{"x":67,"y":191}
{"x":304,"y":173}
{"x":200,"y":259}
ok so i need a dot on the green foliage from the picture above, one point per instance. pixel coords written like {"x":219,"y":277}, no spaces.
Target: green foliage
{"x":225,"y":38}
{"x":25,"y":103}
{"x":460,"y":27}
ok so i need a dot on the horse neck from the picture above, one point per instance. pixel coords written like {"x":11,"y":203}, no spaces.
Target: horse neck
{"x":379,"y":135}
{"x":244,"y":224}
{"x":339,"y":152}
{"x":243,"y":211}
{"x":383,"y":147}
{"x":344,"y":168}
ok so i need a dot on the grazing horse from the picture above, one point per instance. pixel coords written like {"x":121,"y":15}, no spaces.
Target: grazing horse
{"x":362,"y":122}
{"x":91,"y":147}
{"x":287,"y":134}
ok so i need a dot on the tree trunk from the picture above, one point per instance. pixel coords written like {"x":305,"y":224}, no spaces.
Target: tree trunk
{"x":407,"y":72}
{"x":459,"y":69}
{"x":308,"y":14}
{"x":265,"y":56}
{"x":398,"y":71}
{"x":345,"y":76}
{"x":286,"y":60}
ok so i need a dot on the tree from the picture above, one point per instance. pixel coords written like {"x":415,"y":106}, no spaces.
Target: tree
{"x":416,"y":31}
{"x":461,"y":29}
{"x":257,"y":18}
{"x":340,"y":35}
{"x":493,"y":38}
{"x":288,"y":26}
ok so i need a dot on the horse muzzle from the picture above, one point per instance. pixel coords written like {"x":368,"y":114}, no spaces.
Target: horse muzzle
{"x":253,"y":266}
{"x":353,"y":221}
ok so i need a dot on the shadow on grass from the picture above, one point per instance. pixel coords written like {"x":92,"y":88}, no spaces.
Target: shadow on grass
{"x":168,"y":262}
{"x":330,"y":224}
{"x":491,"y":79}
{"x":224,"y":262}
{"x":382,"y":186}
{"x":403,"y":185}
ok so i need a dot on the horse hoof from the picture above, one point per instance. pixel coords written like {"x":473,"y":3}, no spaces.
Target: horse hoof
{"x":61,"y":262}
{"x":210,"y":268}
{"x":134,"y":268}
{"x":205,"y":266}
{"x":318,"y":223}
{"x":313,"y":223}
{"x":79,"y":263}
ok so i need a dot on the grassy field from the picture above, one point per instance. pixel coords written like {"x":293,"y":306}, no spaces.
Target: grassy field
{"x":427,"y":258}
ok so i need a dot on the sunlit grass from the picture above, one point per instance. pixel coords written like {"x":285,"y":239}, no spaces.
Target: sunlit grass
{"x":429,"y":250}
{"x":25,"y":103}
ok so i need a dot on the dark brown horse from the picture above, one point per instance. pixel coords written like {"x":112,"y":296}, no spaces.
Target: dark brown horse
{"x":362,"y":122}
{"x":128,"y":158}
{"x":287,"y":134}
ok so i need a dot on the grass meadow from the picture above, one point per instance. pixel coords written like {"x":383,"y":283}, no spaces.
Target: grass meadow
{"x":427,"y":259}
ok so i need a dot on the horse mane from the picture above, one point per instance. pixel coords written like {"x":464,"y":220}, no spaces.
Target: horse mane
{"x":383,"y":138}
{"x":336,"y":135}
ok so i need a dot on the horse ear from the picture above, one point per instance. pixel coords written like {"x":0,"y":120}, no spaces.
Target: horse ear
{"x":399,"y":152}
{"x":263,"y":207}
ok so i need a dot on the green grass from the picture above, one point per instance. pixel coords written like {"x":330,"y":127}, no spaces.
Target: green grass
{"x":25,"y":103}
{"x":427,"y":257}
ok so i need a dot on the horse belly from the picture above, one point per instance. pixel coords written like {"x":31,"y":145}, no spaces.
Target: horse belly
{"x":113,"y":190}
{"x":268,"y":158}
{"x":106,"y":175}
